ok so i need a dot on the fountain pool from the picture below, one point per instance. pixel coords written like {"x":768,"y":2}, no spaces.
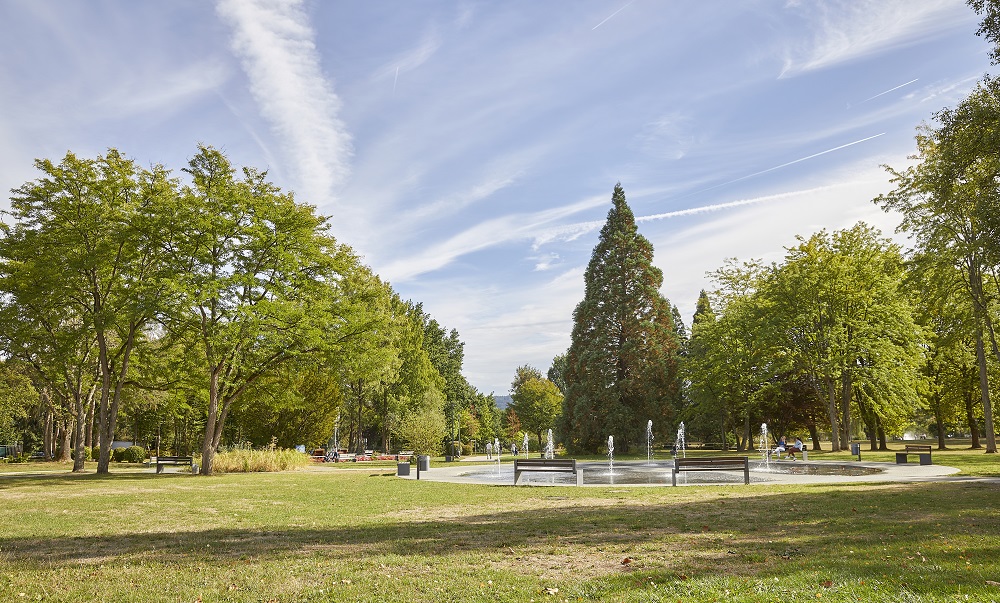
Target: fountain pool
{"x":657,"y":473}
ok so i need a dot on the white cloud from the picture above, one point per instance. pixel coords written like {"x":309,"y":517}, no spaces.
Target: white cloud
{"x":481,"y":236}
{"x":275,"y":44}
{"x":847,"y":30}
{"x":411,"y":58}
{"x":545,"y":261}
{"x":163,"y":92}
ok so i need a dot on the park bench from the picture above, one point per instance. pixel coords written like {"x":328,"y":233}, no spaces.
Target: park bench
{"x":716,"y":463}
{"x":922,"y":450}
{"x":547,"y":465}
{"x":171,"y":460}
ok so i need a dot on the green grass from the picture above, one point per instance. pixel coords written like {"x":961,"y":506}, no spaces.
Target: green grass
{"x":350,"y":535}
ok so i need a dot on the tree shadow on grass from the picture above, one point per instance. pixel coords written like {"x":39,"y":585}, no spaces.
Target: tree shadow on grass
{"x":905,"y":515}
{"x":18,"y":480}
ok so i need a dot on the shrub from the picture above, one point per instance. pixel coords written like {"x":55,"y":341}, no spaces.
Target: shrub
{"x":423,"y":432}
{"x":253,"y":461}
{"x":95,"y":453}
{"x":118,"y":455}
{"x":133,"y":454}
{"x":86,"y":453}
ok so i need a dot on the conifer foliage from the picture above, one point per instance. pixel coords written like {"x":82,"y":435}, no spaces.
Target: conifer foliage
{"x":622,"y":361}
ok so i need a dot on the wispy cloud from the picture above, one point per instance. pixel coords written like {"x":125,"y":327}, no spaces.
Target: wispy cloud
{"x":947,"y":89}
{"x":166,"y":92}
{"x":411,"y":58}
{"x":475,"y":193}
{"x":275,"y":43}
{"x":482,"y":236}
{"x":846,"y":30}
{"x":546,"y":261}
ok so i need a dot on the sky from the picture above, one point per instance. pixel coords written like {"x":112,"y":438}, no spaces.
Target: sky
{"x":468,"y":150}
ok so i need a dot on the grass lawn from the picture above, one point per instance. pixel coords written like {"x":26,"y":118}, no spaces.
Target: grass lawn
{"x":354,"y":535}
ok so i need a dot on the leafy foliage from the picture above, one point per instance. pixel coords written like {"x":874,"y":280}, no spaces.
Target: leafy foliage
{"x":622,"y":362}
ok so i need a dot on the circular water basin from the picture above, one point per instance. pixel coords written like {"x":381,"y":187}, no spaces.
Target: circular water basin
{"x":636,"y":473}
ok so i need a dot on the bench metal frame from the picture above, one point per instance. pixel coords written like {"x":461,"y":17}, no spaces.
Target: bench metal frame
{"x":172,"y":460}
{"x":713,"y":463}
{"x":921,"y":450}
{"x":548,"y":466}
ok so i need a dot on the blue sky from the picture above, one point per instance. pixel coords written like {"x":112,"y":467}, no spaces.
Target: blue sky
{"x":468,"y":150}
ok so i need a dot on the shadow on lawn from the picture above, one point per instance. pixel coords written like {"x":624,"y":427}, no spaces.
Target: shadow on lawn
{"x":18,"y":480}
{"x":904,"y":515}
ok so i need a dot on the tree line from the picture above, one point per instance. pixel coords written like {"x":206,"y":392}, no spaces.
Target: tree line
{"x":209,"y":311}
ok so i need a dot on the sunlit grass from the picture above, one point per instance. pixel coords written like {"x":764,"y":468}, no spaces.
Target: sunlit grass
{"x":351,"y":535}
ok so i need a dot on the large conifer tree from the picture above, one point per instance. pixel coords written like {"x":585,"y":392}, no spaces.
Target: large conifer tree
{"x":622,"y":362}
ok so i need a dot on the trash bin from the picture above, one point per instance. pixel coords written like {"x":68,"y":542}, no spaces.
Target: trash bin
{"x":402,"y":469}
{"x":856,"y":450}
{"x":424,"y":462}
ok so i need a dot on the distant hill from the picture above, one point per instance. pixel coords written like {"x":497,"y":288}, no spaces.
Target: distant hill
{"x":503,"y":401}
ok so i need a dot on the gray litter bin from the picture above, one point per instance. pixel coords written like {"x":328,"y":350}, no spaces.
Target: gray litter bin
{"x":402,"y":469}
{"x":424,"y":462}
{"x":856,"y":450}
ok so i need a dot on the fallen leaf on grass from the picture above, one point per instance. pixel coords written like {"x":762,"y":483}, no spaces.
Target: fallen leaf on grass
{"x":626,"y":561}
{"x":827,"y":584}
{"x":345,"y":581}
{"x":551,"y":591}
{"x":992,"y":583}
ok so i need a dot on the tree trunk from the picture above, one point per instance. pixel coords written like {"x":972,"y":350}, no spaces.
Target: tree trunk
{"x":940,"y":433}
{"x":984,"y":385}
{"x":882,"y":444}
{"x":814,"y":436}
{"x":970,"y":416}
{"x":80,"y":458}
{"x":47,"y":436}
{"x":846,"y":393}
{"x":66,"y":433}
{"x":207,"y":448}
{"x":91,"y":406}
{"x":831,"y":407}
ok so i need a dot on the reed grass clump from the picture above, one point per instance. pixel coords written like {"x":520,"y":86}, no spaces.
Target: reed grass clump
{"x":241,"y":460}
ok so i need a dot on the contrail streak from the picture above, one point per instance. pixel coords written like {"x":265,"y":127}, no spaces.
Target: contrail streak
{"x":611,"y":15}
{"x":890,"y":90}
{"x":778,"y":167}
{"x":394,"y":80}
{"x":709,"y":208}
